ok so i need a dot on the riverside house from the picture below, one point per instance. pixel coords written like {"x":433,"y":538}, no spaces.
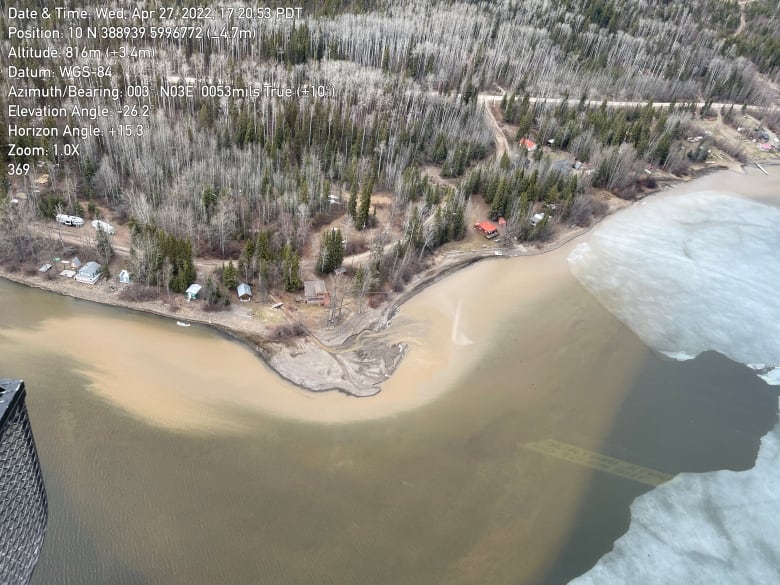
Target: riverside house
{"x":89,"y":273}
{"x":244,"y":292}
{"x":487,"y":229}
{"x":315,"y":292}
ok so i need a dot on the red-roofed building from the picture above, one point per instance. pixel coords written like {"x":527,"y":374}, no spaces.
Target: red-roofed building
{"x":529,"y":144}
{"x":487,"y":229}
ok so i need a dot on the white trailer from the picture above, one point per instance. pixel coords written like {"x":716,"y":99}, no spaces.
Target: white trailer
{"x":102,"y":225}
{"x":69,"y":220}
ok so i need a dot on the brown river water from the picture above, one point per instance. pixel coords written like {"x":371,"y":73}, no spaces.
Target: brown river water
{"x":175,"y":456}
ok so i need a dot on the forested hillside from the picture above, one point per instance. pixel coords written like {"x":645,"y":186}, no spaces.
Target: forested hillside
{"x":390,"y":88}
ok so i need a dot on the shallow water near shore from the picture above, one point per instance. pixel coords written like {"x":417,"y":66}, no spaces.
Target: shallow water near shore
{"x":175,"y":456}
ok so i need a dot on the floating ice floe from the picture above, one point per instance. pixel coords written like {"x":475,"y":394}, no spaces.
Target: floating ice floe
{"x":717,"y":528}
{"x":688,"y":274}
{"x":692,"y":273}
{"x":771,"y":377}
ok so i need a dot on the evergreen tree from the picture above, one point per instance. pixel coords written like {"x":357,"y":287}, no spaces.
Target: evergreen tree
{"x":490,"y":189}
{"x":263,"y":249}
{"x":461,"y":155}
{"x":331,"y":251}
{"x":498,"y":205}
{"x":524,"y":126}
{"x":662,"y":149}
{"x":303,"y":191}
{"x":457,"y":226}
{"x":208,"y":200}
{"x":213,"y":295}
{"x":352,"y":205}
{"x":291,"y":269}
{"x":361,"y":221}
{"x":230,"y":276}
{"x":440,"y":150}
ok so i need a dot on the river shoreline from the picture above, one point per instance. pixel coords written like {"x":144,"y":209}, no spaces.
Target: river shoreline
{"x":323,"y":359}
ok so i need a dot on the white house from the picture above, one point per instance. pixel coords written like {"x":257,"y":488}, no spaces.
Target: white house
{"x":89,"y":273}
{"x":192,"y":292}
{"x":124,"y":277}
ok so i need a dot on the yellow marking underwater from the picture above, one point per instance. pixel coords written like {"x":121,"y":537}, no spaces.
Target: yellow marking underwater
{"x":574,"y":454}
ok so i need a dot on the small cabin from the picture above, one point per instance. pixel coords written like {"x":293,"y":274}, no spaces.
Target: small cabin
{"x":192,"y":292}
{"x":124,"y":277}
{"x":244,"y":292}
{"x":76,"y":263}
{"x":315,"y":292}
{"x":537,"y":219}
{"x":487,"y":229}
{"x":89,"y":273}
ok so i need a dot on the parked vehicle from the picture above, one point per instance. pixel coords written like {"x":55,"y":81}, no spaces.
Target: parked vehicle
{"x":69,"y":220}
{"x":102,"y":225}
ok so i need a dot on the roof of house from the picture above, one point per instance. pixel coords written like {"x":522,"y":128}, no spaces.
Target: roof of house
{"x":528,"y":143}
{"x":314,"y":288}
{"x":193,"y":289}
{"x":486,"y":226}
{"x":124,"y":272}
{"x":244,"y":289}
{"x":90,"y":268}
